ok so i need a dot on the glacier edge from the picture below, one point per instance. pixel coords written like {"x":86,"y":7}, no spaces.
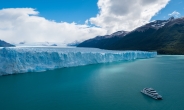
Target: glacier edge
{"x":36,"y":59}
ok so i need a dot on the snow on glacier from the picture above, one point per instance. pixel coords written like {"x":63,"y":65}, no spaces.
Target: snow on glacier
{"x":36,"y":59}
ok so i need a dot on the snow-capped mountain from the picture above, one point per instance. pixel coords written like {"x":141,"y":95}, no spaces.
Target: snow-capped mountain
{"x":101,"y":41}
{"x":154,"y":25}
{"x":116,"y":34}
{"x":163,"y":36}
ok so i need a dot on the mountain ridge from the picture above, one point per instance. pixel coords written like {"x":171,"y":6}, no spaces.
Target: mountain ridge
{"x":5,"y":44}
{"x":163,"y":36}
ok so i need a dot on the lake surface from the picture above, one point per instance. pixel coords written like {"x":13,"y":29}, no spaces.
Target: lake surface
{"x":110,"y":86}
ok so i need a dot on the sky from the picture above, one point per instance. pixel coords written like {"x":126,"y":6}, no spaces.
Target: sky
{"x":67,"y":21}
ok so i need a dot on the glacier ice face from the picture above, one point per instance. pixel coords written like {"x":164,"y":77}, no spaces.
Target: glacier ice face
{"x":35,"y":59}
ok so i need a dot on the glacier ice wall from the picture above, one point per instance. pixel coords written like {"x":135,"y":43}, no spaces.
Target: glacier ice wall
{"x":35,"y":59}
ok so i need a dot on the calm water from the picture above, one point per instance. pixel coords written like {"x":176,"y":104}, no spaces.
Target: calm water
{"x":111,"y":86}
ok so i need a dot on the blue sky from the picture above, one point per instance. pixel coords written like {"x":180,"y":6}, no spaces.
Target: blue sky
{"x":67,"y":21}
{"x":78,"y":10}
{"x":58,"y":10}
{"x":174,"y":5}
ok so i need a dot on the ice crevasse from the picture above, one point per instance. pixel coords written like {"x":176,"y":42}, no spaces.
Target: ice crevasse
{"x":35,"y":59}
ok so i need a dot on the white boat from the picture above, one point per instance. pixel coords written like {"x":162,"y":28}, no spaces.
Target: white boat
{"x":152,"y":93}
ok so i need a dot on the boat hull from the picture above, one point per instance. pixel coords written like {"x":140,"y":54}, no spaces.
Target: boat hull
{"x":151,"y":96}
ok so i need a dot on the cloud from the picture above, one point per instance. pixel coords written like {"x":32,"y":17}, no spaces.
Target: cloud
{"x":25,"y":24}
{"x":175,"y":14}
{"x":117,"y":15}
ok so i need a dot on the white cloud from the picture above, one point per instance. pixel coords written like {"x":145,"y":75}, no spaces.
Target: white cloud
{"x":24,"y":24}
{"x":175,"y":14}
{"x":117,"y":15}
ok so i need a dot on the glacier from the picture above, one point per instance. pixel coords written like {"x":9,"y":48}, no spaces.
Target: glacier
{"x":36,"y":59}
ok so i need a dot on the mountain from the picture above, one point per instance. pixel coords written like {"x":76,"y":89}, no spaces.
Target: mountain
{"x":154,"y":25}
{"x":103,"y":41}
{"x":75,"y":43}
{"x":5,"y":44}
{"x":163,"y":36}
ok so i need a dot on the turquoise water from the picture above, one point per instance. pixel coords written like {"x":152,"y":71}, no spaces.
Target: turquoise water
{"x":111,"y":86}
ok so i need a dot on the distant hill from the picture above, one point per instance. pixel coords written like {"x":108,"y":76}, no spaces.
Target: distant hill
{"x":24,"y":43}
{"x":163,"y":36}
{"x":75,"y":43}
{"x":5,"y":44}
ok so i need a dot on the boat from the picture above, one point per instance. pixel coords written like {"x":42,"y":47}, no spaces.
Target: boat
{"x":152,"y":93}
